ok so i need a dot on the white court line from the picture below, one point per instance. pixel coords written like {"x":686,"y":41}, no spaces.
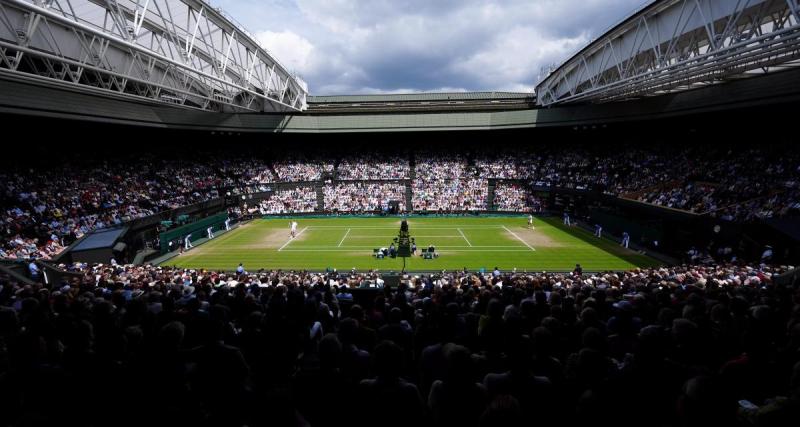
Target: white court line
{"x":465,"y":237}
{"x":303,"y":247}
{"x":346,"y":249}
{"x":345,"y":236}
{"x":518,"y":238}
{"x":376,"y":227}
{"x":291,"y":239}
{"x":417,"y":236}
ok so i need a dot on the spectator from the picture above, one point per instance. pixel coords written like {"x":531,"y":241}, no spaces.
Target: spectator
{"x":457,"y":400}
{"x":387,"y":392}
{"x":686,"y":345}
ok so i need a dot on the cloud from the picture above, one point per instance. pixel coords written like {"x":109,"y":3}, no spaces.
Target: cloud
{"x":292,"y":50}
{"x":387,"y":46}
{"x":513,"y":61}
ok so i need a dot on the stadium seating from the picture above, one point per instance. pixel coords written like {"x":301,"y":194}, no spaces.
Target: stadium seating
{"x":211,"y":343}
{"x":46,"y":212}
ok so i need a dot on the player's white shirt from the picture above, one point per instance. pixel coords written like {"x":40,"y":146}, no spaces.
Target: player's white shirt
{"x":530,"y":219}
{"x":294,"y":225}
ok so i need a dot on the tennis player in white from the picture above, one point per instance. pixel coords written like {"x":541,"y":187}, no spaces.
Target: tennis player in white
{"x":294,"y":229}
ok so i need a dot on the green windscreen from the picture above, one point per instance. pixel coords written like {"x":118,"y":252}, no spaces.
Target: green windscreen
{"x":196,"y":229}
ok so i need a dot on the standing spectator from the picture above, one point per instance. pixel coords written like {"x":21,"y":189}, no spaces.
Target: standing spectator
{"x":34,"y":269}
{"x":766,"y":256}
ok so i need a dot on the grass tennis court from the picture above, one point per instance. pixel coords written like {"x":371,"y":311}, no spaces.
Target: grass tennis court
{"x":471,"y":242}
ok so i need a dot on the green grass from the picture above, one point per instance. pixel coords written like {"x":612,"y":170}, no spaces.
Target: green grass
{"x":472,"y":242}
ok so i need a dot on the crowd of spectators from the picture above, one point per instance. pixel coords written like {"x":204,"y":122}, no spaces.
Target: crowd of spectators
{"x":296,"y":170}
{"x":18,"y":247}
{"x":373,"y":167}
{"x":613,"y":173}
{"x":691,"y":197}
{"x":288,"y":201}
{"x":503,"y":166}
{"x":254,"y":173}
{"x":50,"y":209}
{"x":364,"y":197}
{"x":514,"y":197}
{"x":678,"y":346}
{"x":450,"y":195}
{"x":736,"y":185}
{"x":447,"y":183}
{"x":432,"y":166}
{"x":779,"y":203}
{"x":579,"y":168}
{"x":44,"y":210}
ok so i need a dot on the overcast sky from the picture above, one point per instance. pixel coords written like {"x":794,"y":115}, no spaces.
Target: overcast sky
{"x":384,"y":46}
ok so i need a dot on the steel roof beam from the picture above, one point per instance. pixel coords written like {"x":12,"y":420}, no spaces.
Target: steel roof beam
{"x":671,"y":42}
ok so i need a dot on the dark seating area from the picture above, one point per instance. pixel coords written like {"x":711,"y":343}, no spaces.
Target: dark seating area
{"x":130,"y":345}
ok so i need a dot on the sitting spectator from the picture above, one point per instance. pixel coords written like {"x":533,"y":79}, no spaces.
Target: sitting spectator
{"x":362,"y":197}
{"x":382,"y":396}
{"x":510,"y":197}
{"x":373,"y":167}
{"x":457,"y":400}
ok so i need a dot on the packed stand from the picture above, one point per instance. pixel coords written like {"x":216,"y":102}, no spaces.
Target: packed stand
{"x":45,"y":211}
{"x":736,"y":185}
{"x":296,"y":170}
{"x":450,"y":195}
{"x":371,"y":167}
{"x":691,"y":197}
{"x":513,"y":197}
{"x":251,"y":173}
{"x":295,"y":200}
{"x":680,"y":346}
{"x":447,"y":183}
{"x":432,"y":166}
{"x":503,"y":166}
{"x":629,"y":170}
{"x":364,"y":197}
{"x":778,"y":204}
{"x":18,"y":247}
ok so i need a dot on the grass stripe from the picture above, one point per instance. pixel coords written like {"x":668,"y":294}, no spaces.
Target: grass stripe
{"x":291,"y":239}
{"x":465,"y":237}
{"x":519,"y":238}
{"x":345,"y":236}
{"x":495,"y":242}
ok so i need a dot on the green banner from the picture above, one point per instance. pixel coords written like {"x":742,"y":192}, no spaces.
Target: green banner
{"x":197,"y":230}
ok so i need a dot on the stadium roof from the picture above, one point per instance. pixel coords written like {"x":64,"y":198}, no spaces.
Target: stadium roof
{"x":19,"y":94}
{"x":669,"y":46}
{"x":426,"y":96}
